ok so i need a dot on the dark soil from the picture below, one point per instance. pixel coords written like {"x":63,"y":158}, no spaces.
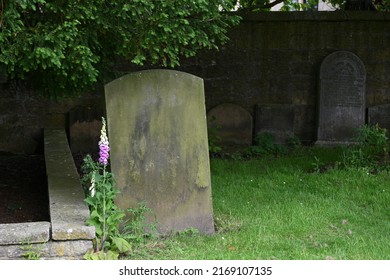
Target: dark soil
{"x":23,"y":189}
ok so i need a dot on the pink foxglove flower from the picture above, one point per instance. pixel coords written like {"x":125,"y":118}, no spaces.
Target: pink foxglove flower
{"x":104,"y":145}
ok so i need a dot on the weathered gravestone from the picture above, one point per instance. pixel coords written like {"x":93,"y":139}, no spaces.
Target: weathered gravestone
{"x":275,"y":119}
{"x":341,"y":98}
{"x":233,"y":124}
{"x":159,"y":151}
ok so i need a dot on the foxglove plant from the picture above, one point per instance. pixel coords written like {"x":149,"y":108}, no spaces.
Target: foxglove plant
{"x":104,"y":147}
{"x":105,"y":216}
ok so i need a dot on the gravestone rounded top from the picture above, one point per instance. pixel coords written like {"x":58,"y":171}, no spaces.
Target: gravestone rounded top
{"x":341,"y":64}
{"x":233,"y":123}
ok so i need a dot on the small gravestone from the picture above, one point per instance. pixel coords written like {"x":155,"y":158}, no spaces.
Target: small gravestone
{"x":159,"y":151}
{"x":341,"y":98}
{"x":380,"y":115}
{"x":232,"y":124}
{"x":275,"y":119}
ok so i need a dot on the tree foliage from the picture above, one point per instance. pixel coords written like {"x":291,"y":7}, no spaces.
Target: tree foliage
{"x":68,"y":46}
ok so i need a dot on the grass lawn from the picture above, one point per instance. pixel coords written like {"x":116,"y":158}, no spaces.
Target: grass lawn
{"x":278,"y":208}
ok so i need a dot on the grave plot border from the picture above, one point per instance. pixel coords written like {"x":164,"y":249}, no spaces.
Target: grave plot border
{"x":66,"y":236}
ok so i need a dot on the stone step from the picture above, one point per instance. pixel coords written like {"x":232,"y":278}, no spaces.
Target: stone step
{"x":63,"y":250}
{"x":24,"y":233}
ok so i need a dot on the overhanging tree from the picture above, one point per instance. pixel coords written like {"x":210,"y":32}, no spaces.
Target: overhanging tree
{"x":67,"y":46}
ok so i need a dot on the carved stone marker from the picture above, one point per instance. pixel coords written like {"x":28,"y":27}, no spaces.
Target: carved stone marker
{"x":159,"y":150}
{"x":342,"y":98}
{"x":233,"y":124}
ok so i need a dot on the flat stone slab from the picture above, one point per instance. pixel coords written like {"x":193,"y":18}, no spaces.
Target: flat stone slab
{"x":24,"y":233}
{"x":68,"y":250}
{"x":68,"y":211}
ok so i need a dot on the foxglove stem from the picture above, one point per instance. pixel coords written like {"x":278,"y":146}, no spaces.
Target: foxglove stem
{"x":104,"y":237}
{"x":92,"y":188}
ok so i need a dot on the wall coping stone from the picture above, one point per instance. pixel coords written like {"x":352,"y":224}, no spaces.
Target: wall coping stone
{"x":24,"y":233}
{"x":68,"y":211}
{"x":51,"y":250}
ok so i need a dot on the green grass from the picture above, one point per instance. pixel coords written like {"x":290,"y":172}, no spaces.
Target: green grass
{"x":278,"y":208}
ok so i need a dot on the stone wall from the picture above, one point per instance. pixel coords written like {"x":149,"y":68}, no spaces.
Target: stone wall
{"x":24,"y":114}
{"x":274,"y":58}
{"x":271,"y":59}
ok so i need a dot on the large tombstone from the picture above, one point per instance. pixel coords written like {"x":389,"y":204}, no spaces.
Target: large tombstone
{"x":341,"y":98}
{"x":159,"y":151}
{"x":233,"y":124}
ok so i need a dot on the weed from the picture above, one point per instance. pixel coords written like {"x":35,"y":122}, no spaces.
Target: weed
{"x":264,"y":144}
{"x":371,"y":150}
{"x":317,"y":164}
{"x":227,"y":223}
{"x":294,"y":142}
{"x":102,"y":255}
{"x":32,"y":252}
{"x":188,"y":232}
{"x":137,"y":228}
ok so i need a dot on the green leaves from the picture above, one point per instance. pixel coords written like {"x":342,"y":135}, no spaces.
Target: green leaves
{"x":371,"y":149}
{"x":68,"y":46}
{"x":121,"y":244}
{"x":107,"y":217}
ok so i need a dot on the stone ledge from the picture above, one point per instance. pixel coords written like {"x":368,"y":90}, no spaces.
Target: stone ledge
{"x":64,"y":250}
{"x":68,"y":211}
{"x":24,"y":233}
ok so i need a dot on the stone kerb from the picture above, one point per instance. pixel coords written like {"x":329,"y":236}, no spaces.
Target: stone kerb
{"x":159,"y":150}
{"x":22,"y":233}
{"x":66,"y":236}
{"x":341,"y":98}
{"x":68,"y":211}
